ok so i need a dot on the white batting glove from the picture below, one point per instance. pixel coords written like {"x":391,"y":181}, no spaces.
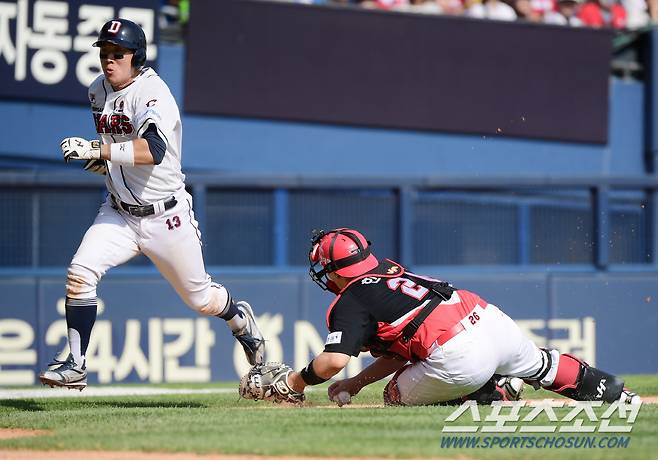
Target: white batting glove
{"x":77,"y":148}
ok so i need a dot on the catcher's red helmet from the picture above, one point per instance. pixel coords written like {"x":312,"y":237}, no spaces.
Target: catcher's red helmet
{"x":343,"y":251}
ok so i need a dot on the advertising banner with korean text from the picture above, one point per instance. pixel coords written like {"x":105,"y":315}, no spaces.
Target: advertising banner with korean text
{"x":145,"y":334}
{"x":46,"y":48}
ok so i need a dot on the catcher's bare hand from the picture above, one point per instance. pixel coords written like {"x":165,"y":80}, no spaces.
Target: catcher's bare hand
{"x":269,"y":382}
{"x":77,"y":148}
{"x":350,"y":385}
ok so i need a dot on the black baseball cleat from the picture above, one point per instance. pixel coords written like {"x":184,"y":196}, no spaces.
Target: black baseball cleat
{"x":250,"y":336}
{"x":68,"y":374}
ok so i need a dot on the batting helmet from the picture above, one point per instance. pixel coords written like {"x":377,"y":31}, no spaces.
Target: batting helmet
{"x":126,"y":34}
{"x":343,"y":251}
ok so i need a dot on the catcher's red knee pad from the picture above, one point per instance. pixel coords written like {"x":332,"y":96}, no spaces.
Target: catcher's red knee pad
{"x":392,"y":395}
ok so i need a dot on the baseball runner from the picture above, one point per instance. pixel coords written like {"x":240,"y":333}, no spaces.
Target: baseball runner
{"x":443,"y":344}
{"x":147,"y":209}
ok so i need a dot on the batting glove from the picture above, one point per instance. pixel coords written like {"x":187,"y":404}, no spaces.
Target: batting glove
{"x":96,"y":166}
{"x":77,"y":148}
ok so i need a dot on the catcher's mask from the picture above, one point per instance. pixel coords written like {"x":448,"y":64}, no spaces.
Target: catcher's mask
{"x":343,"y":251}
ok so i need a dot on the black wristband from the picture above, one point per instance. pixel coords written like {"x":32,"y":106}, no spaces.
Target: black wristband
{"x":310,"y":377}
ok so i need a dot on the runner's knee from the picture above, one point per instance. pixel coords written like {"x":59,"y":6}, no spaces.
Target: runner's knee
{"x":212,"y":302}
{"x":81,"y":282}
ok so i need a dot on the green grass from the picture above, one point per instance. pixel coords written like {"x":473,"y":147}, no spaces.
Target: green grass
{"x":222,"y":423}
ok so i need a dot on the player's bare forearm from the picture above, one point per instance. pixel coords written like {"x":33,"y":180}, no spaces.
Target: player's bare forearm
{"x":141,"y":150}
{"x":376,"y":371}
{"x":325,"y":365}
{"x":381,"y":368}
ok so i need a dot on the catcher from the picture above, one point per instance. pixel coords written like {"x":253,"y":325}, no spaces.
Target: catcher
{"x":443,"y":344}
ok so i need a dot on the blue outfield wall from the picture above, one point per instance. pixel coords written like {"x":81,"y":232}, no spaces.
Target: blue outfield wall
{"x":237,"y":145}
{"x":144,"y":333}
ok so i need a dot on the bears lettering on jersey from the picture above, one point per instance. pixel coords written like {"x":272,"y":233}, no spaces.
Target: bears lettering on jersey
{"x":113,"y":124}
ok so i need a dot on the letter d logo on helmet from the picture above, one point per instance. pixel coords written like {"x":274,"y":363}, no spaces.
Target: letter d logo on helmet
{"x":343,"y":251}
{"x":127,"y":34}
{"x":114,"y":27}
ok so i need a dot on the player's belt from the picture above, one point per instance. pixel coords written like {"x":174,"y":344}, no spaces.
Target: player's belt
{"x":454,"y":330}
{"x":450,"y":333}
{"x":147,"y":209}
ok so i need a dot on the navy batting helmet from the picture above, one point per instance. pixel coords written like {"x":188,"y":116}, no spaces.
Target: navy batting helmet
{"x":127,"y":34}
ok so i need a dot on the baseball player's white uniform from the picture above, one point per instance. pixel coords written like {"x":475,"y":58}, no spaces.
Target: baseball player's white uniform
{"x":467,"y":361}
{"x":169,"y":237}
{"x":147,"y":209}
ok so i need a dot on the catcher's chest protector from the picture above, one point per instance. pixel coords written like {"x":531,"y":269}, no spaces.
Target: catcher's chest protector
{"x":393,"y":297}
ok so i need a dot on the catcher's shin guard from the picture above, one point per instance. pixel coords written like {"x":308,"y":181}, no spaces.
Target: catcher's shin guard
{"x":577,"y":380}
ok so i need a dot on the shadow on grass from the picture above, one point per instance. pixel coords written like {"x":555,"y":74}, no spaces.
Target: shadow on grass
{"x":154,"y":404}
{"x":28,"y":405}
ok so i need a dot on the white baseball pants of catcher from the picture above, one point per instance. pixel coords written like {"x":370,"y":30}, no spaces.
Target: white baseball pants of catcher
{"x":170,"y":238}
{"x":493,"y":345}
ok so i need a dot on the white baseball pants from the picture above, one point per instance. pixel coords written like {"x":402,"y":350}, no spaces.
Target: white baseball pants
{"x":493,"y":345}
{"x":171,"y":239}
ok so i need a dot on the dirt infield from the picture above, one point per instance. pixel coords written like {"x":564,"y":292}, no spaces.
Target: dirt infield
{"x":68,"y":455}
{"x":10,"y":433}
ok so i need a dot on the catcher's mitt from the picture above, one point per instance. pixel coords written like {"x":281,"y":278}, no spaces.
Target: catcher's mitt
{"x":269,"y":382}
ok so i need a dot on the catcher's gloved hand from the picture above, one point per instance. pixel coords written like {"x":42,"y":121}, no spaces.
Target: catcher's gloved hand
{"x":269,"y":381}
{"x":77,"y":148}
{"x":96,"y":166}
